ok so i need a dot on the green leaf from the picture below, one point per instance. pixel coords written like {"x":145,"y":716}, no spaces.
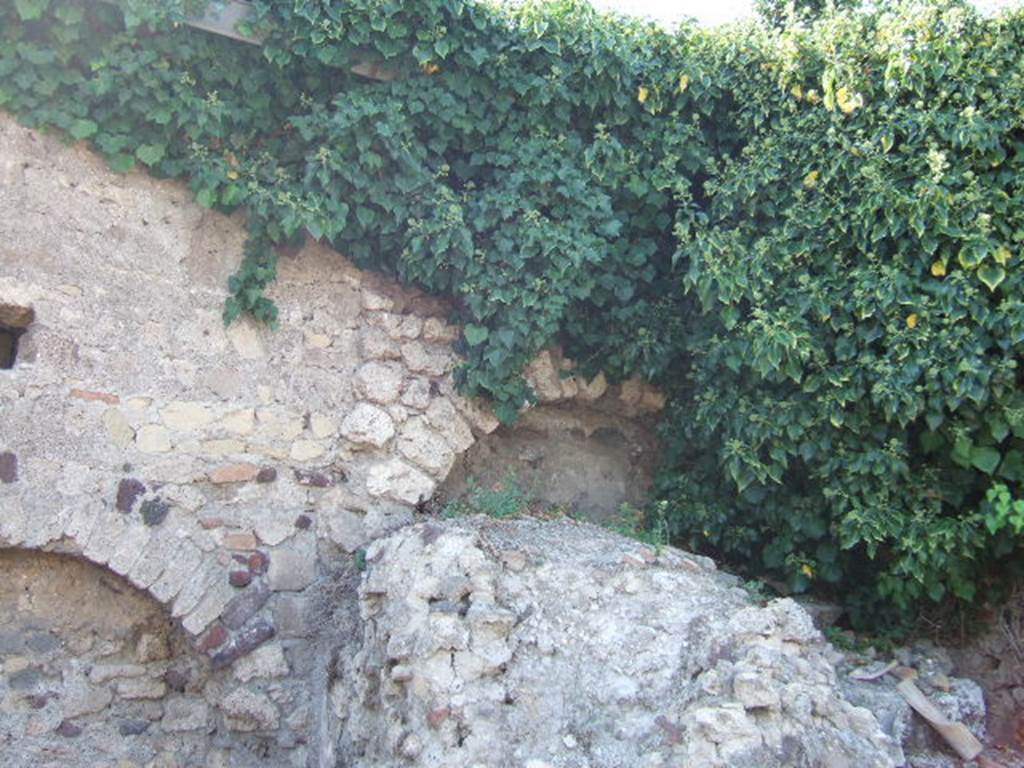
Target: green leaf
{"x":999,"y":429}
{"x":991,"y":275}
{"x":83,"y":129}
{"x":151,"y":154}
{"x":121,"y":162}
{"x":31,"y":9}
{"x":1012,"y":467}
{"x":476,"y":334}
{"x":207,"y":197}
{"x":985,"y":458}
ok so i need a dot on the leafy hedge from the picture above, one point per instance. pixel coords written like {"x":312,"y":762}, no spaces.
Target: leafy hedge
{"x":809,"y":236}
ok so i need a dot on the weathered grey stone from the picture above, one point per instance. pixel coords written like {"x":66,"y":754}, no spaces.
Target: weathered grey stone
{"x":442,"y":604}
{"x":291,"y":570}
{"x":153,"y":438}
{"x":80,"y":697}
{"x":265,"y":662}
{"x":118,"y":429}
{"x":179,"y":570}
{"x":133,"y":727}
{"x":444,"y":418}
{"x":195,"y":588}
{"x":106,"y":536}
{"x":184,"y":713}
{"x":210,"y":606}
{"x":246,"y":710}
{"x":291,"y":616}
{"x":130,"y":549}
{"x":380,"y":382}
{"x":104,"y":673}
{"x":141,"y":688}
{"x":397,"y":480}
{"x":368,"y":425}
{"x":425,"y":447}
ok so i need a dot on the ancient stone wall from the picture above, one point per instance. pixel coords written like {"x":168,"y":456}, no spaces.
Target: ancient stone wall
{"x":216,"y":548}
{"x":228,"y":473}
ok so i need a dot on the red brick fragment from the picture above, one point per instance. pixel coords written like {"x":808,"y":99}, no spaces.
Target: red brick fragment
{"x":96,"y":397}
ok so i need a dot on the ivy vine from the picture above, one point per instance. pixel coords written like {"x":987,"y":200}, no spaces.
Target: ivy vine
{"x":807,"y":233}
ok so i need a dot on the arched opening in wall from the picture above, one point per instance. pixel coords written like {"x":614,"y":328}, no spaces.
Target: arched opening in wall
{"x":14,"y":321}
{"x":94,"y":672}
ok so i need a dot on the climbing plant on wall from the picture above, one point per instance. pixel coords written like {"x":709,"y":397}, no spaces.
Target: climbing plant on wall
{"x":809,"y":236}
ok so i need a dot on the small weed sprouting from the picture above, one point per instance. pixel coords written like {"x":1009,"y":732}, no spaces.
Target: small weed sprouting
{"x":651,"y":527}
{"x":506,"y":498}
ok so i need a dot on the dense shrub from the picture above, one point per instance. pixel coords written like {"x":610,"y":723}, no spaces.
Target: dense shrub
{"x":854,"y":374}
{"x":809,"y":236}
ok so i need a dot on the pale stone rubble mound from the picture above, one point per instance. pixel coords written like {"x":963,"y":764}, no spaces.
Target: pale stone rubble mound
{"x":554,"y":644}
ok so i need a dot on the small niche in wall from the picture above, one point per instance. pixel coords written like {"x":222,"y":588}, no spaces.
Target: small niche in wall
{"x":14,"y":321}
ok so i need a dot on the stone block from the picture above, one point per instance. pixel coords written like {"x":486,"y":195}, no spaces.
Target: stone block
{"x":268,"y":661}
{"x":380,"y":382}
{"x":323,"y":426}
{"x":307,"y":450}
{"x":210,"y":606}
{"x":291,"y":615}
{"x":368,"y":425}
{"x":434,"y":360}
{"x":244,"y":335}
{"x":196,"y":587}
{"x":119,"y":430}
{"x":220,"y":448}
{"x":543,"y":376}
{"x":246,"y":710}
{"x":394,"y":479}
{"x":344,"y":527}
{"x":131,"y":547}
{"x":239,"y":540}
{"x":291,"y":570}
{"x":184,"y":713}
{"x":91,"y":396}
{"x":106,"y":535}
{"x":141,"y":688}
{"x":241,"y":422}
{"x":104,"y":673}
{"x":180,"y":568}
{"x":234,"y":473}
{"x":153,"y":438}
{"x":81,"y":697}
{"x":425,"y":447}
{"x":417,"y":394}
{"x":8,"y":467}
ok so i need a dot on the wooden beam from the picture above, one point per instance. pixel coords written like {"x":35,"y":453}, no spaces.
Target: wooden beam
{"x":222,"y":17}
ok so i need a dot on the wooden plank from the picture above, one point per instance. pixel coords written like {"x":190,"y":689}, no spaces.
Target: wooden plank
{"x":222,"y":17}
{"x":955,"y":734}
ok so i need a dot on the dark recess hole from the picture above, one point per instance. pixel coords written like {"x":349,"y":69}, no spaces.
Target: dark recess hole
{"x":14,"y":321}
{"x":9,"y":346}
